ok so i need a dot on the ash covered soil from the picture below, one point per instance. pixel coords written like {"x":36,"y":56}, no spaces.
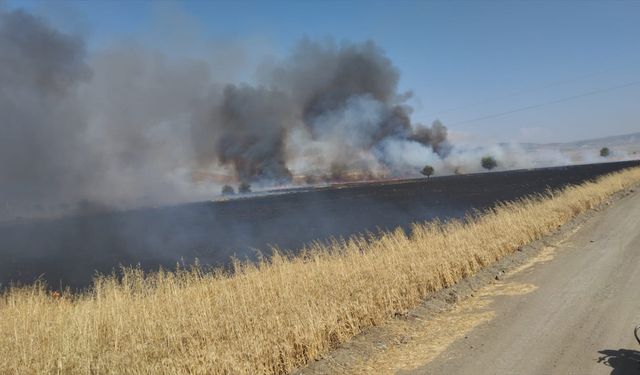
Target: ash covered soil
{"x":69,"y":251}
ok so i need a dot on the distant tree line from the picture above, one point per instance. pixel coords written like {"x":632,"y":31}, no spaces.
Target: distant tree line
{"x":427,"y":171}
{"x":243,"y":188}
{"x":488,"y":163}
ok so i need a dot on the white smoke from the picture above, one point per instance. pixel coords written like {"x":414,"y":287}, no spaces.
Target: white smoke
{"x":128,"y":125}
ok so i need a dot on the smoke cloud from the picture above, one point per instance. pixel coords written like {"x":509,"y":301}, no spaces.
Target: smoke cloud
{"x":126,"y":125}
{"x":43,"y":155}
{"x":328,"y":109}
{"x":246,"y":129}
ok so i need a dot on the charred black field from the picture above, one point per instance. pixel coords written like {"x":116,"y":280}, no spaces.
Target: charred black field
{"x":69,"y":251}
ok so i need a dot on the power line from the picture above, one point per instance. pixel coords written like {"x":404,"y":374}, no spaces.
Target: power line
{"x":561,"y":100}
{"x":526,"y":91}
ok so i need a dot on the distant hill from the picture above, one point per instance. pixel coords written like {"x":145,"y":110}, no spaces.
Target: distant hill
{"x":621,"y":147}
{"x":624,"y":140}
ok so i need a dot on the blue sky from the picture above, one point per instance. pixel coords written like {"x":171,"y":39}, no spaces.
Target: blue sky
{"x":465,"y":61}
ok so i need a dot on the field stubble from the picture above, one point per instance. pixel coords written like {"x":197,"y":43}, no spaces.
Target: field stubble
{"x":271,"y":317}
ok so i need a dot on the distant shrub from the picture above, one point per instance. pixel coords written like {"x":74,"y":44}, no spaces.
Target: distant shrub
{"x":488,"y":163}
{"x":427,"y":171}
{"x":244,"y":188}
{"x":604,"y":152}
{"x":227,"y":190}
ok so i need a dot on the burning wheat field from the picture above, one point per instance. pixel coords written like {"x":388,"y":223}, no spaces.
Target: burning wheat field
{"x":69,"y":251}
{"x":183,"y":196}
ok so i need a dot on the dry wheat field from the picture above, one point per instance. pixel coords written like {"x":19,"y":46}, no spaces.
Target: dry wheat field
{"x":271,"y":317}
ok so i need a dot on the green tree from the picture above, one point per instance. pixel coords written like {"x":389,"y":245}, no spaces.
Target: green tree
{"x":427,"y":171}
{"x":244,"y":188}
{"x":604,"y":152}
{"x":227,"y":190}
{"x":488,"y":163}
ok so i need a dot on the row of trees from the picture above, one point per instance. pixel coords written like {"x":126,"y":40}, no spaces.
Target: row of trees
{"x":487,"y":162}
{"x":243,"y":188}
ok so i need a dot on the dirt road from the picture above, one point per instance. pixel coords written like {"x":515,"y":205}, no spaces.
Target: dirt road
{"x":572,"y":313}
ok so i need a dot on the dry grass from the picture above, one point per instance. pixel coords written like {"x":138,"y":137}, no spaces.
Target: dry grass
{"x":269,"y":318}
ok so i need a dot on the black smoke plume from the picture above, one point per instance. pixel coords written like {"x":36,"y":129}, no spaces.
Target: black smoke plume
{"x":42,"y":153}
{"x":246,"y":128}
{"x":334,"y":106}
{"x":128,"y":125}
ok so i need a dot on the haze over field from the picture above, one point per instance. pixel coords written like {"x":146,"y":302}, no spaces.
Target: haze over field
{"x":125,"y":124}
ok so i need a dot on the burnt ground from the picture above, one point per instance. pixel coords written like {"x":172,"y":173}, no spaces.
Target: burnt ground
{"x":69,"y":251}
